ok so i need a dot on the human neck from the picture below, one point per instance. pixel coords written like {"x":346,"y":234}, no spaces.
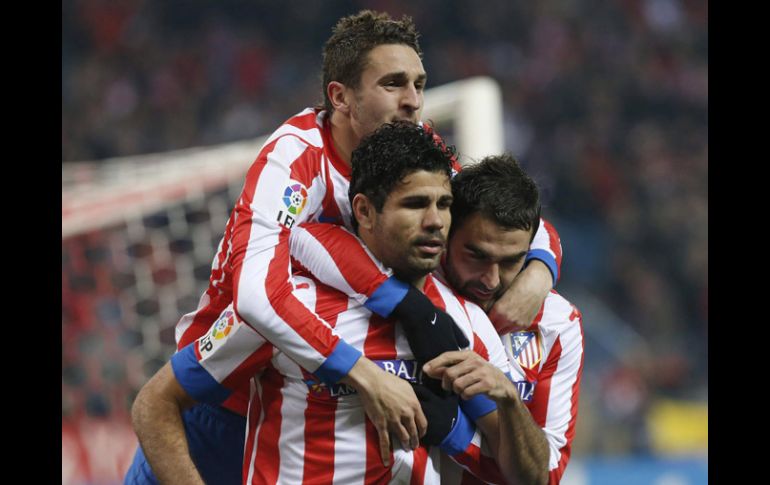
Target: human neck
{"x":342,"y":136}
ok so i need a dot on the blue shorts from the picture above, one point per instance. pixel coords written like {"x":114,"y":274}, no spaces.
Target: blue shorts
{"x":215,"y":437}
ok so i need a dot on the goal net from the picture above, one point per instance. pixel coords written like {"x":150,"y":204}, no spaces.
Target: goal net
{"x":138,"y":237}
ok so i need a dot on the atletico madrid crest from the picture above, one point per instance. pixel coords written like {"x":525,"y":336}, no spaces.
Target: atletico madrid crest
{"x":526,"y":348}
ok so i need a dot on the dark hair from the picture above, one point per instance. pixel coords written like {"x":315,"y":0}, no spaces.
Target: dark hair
{"x":499,"y":189}
{"x":392,"y":152}
{"x":344,"y":54}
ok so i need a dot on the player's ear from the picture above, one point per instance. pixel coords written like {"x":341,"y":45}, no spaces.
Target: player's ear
{"x":339,"y":97}
{"x":363,"y":211}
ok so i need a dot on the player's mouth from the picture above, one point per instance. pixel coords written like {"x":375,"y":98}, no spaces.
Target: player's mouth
{"x":430,"y":246}
{"x":482,"y":295}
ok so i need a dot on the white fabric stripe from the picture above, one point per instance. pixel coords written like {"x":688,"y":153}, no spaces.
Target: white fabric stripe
{"x":253,"y":304}
{"x":253,"y":428}
{"x":349,"y":442}
{"x":560,"y":399}
{"x":291,"y":444}
{"x":312,"y":136}
{"x":542,"y":239}
{"x":230,"y":351}
{"x":187,"y":319}
{"x":306,"y":249}
{"x":341,"y":186}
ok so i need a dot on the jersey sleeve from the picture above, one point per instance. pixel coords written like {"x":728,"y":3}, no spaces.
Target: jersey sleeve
{"x":555,"y":402}
{"x":338,"y":258}
{"x":220,"y":361}
{"x":546,"y":247}
{"x":283,"y":187}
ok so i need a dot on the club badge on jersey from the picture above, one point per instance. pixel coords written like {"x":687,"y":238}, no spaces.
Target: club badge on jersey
{"x":526,"y":348}
{"x":294,"y":198}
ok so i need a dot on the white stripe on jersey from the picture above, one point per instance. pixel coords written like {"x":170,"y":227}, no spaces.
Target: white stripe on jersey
{"x":555,"y":325}
{"x":312,"y":137}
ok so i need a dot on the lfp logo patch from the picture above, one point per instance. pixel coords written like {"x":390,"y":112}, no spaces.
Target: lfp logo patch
{"x":215,"y":336}
{"x":223,"y":326}
{"x":295,"y":198}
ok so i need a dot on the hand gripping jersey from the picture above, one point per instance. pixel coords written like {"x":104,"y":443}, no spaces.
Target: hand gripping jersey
{"x":302,"y":430}
{"x":297,"y":177}
{"x":546,"y":365}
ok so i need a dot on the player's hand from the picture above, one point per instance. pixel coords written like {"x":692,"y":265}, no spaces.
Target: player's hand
{"x":391,"y":405}
{"x":441,"y":411}
{"x":517,"y":307}
{"x":429,"y":330}
{"x":467,"y":374}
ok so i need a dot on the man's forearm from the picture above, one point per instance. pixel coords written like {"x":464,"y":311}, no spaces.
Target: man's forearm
{"x":523,"y":450}
{"x":157,"y":420}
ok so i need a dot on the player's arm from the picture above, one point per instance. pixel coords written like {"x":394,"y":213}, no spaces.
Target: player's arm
{"x":555,"y":401}
{"x":520,"y":303}
{"x":340,"y":259}
{"x":157,"y":418}
{"x":519,"y":446}
{"x":207,"y":370}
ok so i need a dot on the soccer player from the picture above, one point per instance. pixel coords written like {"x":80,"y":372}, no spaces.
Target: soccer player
{"x":495,"y":211}
{"x":300,"y":429}
{"x":372,"y":74}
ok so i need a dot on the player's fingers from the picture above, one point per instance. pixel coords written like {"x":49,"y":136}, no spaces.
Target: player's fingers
{"x":384,"y":444}
{"x":447,"y":359}
{"x":411,"y":428}
{"x":421,"y":420}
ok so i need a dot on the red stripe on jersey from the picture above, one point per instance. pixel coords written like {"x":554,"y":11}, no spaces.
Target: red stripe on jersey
{"x":238,"y":401}
{"x":329,"y":303}
{"x":376,"y":472}
{"x":538,"y":407}
{"x":268,"y":459}
{"x":419,"y":465}
{"x":306,"y":167}
{"x":288,"y":307}
{"x":554,"y":242}
{"x":329,"y":207}
{"x":254,"y":363}
{"x":304,"y":122}
{"x":555,"y":475}
{"x":319,"y":441}
{"x":479,"y":465}
{"x":204,"y":318}
{"x":349,"y":256}
{"x":255,"y":409}
{"x":380,"y":340}
{"x":479,"y":347}
{"x":433,"y":293}
{"x":331,"y":153}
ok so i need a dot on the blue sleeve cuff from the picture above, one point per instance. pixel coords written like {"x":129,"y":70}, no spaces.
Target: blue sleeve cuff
{"x":338,"y":364}
{"x":477,"y":406}
{"x":460,"y":437}
{"x":196,"y":380}
{"x":547,"y":259}
{"x":387,"y":297}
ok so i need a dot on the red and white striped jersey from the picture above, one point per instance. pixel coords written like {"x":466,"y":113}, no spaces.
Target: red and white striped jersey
{"x":302,"y":430}
{"x":297,"y":177}
{"x":546,"y":365}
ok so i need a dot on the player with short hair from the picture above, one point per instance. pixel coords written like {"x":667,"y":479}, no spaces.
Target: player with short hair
{"x":495,"y":212}
{"x":301,"y":429}
{"x":301,"y":174}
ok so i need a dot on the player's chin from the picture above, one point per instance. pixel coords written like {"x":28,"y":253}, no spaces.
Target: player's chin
{"x":425,"y":262}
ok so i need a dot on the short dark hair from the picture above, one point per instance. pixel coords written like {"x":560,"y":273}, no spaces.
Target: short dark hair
{"x":344,"y":54}
{"x":500,"y":190}
{"x":392,"y":152}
